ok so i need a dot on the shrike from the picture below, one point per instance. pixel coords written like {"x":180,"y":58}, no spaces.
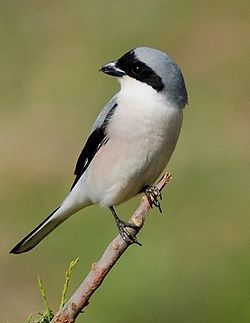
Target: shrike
{"x":130,"y":142}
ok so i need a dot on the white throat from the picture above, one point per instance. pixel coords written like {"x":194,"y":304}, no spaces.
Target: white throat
{"x":136,"y":91}
{"x":131,"y":87}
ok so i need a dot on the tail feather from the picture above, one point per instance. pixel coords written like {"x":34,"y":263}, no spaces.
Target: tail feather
{"x":40,"y":232}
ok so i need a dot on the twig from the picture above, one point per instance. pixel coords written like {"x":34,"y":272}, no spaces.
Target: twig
{"x":66,"y":283}
{"x":48,"y":313}
{"x":80,"y":299}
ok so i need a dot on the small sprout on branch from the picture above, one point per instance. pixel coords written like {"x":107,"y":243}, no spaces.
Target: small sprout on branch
{"x":47,"y":316}
{"x":66,"y":283}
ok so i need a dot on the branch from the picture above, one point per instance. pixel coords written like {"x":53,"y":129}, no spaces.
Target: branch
{"x":80,"y":299}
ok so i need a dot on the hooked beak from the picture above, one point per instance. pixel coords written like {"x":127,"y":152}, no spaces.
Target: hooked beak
{"x":112,"y":69}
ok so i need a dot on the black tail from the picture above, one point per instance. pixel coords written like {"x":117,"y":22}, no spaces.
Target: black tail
{"x":36,"y":235}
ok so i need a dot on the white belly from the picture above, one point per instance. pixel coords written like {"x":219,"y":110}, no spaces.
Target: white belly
{"x":142,"y":138}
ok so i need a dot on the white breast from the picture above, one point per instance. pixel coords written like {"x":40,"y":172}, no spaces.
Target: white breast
{"x":142,"y":136}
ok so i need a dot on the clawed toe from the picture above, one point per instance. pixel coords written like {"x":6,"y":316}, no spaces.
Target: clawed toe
{"x":127,"y":235}
{"x":154,"y":194}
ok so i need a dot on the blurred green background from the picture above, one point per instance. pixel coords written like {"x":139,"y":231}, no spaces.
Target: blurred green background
{"x":194,"y":266}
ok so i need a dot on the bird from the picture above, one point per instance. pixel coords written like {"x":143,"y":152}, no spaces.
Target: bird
{"x":130,"y":142}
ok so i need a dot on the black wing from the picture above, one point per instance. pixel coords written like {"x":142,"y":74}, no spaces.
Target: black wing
{"x":95,"y":141}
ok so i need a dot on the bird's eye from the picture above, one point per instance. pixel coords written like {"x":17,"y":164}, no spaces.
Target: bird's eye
{"x":137,"y":69}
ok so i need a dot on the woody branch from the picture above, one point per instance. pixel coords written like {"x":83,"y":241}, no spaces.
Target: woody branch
{"x":99,"y":270}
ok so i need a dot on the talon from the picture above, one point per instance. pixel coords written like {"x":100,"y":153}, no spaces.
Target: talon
{"x":125,"y":234}
{"x":153,"y":193}
{"x":122,"y":226}
{"x":158,"y":205}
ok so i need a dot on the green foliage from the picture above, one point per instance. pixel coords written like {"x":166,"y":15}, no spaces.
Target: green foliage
{"x":66,"y":283}
{"x":47,"y":315}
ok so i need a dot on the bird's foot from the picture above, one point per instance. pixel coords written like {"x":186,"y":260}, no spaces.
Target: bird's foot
{"x":154,"y":195}
{"x":127,"y":235}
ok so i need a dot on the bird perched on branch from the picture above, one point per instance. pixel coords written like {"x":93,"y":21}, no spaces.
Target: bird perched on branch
{"x":130,"y":142}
